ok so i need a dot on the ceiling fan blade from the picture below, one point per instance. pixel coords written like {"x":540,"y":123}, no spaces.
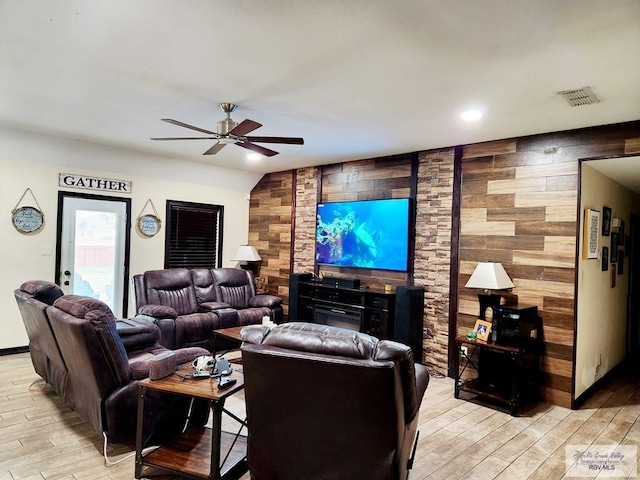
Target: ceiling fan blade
{"x":186,"y":125}
{"x":184,"y":138}
{"x":257,"y":148}
{"x":289,"y":140}
{"x":244,"y":127}
{"x":215,"y":149}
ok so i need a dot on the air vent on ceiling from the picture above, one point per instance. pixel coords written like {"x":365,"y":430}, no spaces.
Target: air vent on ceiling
{"x":581,"y":96}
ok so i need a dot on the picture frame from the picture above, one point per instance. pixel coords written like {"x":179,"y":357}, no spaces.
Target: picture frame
{"x":591,"y":234}
{"x":606,"y":221}
{"x":482,"y":329}
{"x":605,"y":259}
{"x":613,"y":276}
{"x":613,"y":249}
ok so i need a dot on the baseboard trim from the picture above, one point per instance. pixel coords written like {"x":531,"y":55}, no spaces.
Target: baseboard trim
{"x":13,"y":350}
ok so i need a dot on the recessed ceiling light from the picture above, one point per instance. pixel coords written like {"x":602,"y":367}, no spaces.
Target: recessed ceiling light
{"x":253,"y":156}
{"x":471,"y":115}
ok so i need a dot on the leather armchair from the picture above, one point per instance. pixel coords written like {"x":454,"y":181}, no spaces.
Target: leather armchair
{"x":104,"y":374}
{"x":329,"y":403}
{"x":237,"y":287}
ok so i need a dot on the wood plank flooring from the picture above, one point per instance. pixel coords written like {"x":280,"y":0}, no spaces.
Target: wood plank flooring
{"x":40,"y":438}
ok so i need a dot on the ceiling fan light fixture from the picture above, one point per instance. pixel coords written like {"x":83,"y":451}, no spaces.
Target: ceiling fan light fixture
{"x":254,"y":156}
{"x":225,"y":126}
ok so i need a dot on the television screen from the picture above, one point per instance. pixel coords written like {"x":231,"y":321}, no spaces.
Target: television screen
{"x":367,"y":234}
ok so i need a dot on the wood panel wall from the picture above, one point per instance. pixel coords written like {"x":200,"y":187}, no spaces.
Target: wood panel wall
{"x":270,"y":217}
{"x":519,"y":206}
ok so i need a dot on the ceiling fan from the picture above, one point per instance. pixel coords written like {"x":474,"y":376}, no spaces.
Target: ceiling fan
{"x":234,"y":133}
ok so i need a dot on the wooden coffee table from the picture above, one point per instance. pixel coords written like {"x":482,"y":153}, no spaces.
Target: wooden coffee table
{"x":199,"y":452}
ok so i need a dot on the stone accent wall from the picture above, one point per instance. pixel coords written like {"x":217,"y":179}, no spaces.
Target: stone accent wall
{"x":434,"y":203}
{"x":304,"y":243}
{"x":270,"y":229}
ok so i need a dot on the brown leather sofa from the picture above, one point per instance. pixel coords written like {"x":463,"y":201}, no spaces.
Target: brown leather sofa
{"x":324,"y":402}
{"x":189,"y":304}
{"x":104,"y":358}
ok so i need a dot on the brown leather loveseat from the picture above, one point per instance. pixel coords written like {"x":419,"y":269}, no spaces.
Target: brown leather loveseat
{"x":189,"y":304}
{"x":103,"y":359}
{"x":324,"y":402}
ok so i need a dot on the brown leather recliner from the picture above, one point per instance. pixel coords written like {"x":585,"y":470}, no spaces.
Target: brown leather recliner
{"x":104,"y":374}
{"x":237,"y":287}
{"x":33,"y":298}
{"x":169,"y":297}
{"x":328,"y":403}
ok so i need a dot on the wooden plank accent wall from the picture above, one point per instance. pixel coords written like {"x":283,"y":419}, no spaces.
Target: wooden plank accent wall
{"x":270,"y":213}
{"x":519,"y":206}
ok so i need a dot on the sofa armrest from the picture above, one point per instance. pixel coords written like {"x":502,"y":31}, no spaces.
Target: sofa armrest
{"x":212,"y":306}
{"x":265,"y":300}
{"x":158,"y":311}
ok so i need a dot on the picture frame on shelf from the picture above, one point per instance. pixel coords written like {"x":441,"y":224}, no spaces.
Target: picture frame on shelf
{"x":606,"y":221}
{"x":482,"y":329}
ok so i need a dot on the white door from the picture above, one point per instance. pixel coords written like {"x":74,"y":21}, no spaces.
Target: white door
{"x":92,"y":249}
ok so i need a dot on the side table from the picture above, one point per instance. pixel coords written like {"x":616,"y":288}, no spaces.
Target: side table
{"x":197,"y":452}
{"x":504,"y":374}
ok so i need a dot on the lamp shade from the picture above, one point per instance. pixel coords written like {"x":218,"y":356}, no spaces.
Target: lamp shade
{"x":246,"y":253}
{"x":490,"y":276}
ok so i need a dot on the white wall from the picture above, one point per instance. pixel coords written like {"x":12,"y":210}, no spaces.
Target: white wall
{"x":602,"y":310}
{"x":34,"y":161}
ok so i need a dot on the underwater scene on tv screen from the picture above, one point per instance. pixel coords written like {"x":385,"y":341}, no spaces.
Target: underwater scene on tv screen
{"x":367,"y":234}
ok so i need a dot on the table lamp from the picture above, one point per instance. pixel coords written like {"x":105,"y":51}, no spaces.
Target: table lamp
{"x":489,"y":276}
{"x":250,"y":258}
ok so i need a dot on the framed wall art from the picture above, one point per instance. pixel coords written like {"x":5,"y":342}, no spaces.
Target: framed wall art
{"x":605,"y":259}
{"x":591,"y":233}
{"x":606,"y":221}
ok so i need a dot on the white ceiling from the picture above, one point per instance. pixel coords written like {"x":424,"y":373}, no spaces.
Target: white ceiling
{"x":355,"y":78}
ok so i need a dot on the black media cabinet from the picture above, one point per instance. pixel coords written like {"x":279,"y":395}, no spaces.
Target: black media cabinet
{"x":368,"y":310}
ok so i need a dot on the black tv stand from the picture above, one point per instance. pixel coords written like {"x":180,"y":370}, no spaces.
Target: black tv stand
{"x":364,"y":309}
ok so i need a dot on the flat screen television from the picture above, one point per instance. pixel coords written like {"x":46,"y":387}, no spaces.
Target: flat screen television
{"x":364,"y":234}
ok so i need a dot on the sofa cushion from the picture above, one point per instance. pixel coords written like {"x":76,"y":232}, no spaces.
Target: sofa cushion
{"x":203,"y":285}
{"x":172,"y":287}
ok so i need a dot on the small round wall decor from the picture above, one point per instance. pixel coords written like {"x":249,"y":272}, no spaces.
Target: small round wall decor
{"x":27,"y":219}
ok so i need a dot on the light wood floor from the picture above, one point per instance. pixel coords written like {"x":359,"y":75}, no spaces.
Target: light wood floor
{"x":40,"y":438}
